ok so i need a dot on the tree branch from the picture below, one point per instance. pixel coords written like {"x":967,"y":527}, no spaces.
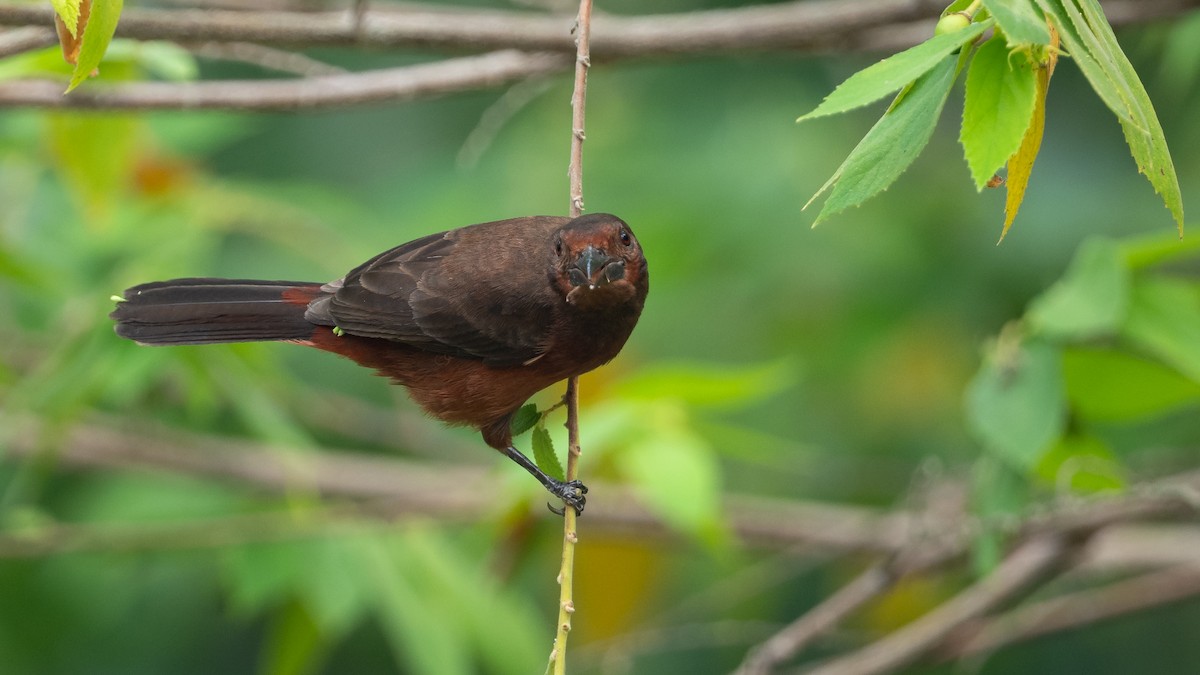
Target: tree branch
{"x":566,"y":573}
{"x":1033,"y":561}
{"x":392,"y":84}
{"x":1073,"y":610}
{"x":800,"y":25}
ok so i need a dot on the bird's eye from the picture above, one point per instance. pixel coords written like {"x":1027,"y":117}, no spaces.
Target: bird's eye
{"x":625,"y":238}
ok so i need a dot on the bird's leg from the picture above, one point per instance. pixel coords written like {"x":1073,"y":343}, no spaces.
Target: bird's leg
{"x":571,"y":492}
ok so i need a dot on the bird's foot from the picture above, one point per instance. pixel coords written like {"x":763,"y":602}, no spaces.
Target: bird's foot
{"x":571,"y":492}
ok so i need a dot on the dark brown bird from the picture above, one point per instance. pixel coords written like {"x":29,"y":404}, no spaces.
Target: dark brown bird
{"x":472,"y":321}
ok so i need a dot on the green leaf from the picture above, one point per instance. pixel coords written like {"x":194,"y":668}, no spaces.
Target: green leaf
{"x":675,"y":472}
{"x":1164,"y":321}
{"x":892,"y":144}
{"x":1016,"y":405}
{"x":98,"y":33}
{"x":544,"y":455}
{"x":1106,"y":385}
{"x":1000,"y":94}
{"x":421,"y":633}
{"x":998,"y":493}
{"x":1090,"y":42}
{"x":1084,"y":464}
{"x":889,"y":75}
{"x":293,"y":644}
{"x":709,"y":385}
{"x":68,"y":10}
{"x":1020,"y":23}
{"x":523,"y":421}
{"x":1090,"y":300}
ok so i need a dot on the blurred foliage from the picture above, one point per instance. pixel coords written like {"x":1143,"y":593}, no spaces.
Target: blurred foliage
{"x":772,"y":359}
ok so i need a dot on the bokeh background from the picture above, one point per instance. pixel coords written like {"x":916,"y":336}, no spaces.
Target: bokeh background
{"x":773,"y":361}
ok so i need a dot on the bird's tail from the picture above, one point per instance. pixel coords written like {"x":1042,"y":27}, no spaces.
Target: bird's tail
{"x":204,"y":311}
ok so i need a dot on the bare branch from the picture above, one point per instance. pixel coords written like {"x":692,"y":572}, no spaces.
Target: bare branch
{"x":393,"y":84}
{"x":269,"y":58}
{"x":819,"y":620}
{"x":815,"y":25}
{"x":24,"y":39}
{"x":1074,"y":610}
{"x":1033,"y":561}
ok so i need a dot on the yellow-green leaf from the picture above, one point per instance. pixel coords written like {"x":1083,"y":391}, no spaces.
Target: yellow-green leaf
{"x":68,"y":11}
{"x":1020,"y":165}
{"x":97,"y":34}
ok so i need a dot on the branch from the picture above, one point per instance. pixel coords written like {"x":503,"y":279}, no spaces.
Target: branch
{"x":566,"y":574}
{"x":816,"y":25}
{"x":1073,"y":610}
{"x":1033,"y":561}
{"x":392,"y":84}
{"x":24,"y":39}
{"x":463,"y":492}
{"x":819,"y":620}
{"x":1168,"y":498}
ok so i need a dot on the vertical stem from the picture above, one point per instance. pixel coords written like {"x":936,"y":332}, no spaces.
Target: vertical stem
{"x":566,"y":601}
{"x":583,"y":61}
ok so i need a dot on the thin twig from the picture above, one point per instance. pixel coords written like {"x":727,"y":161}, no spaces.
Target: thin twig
{"x":454,"y":490}
{"x":819,"y":620}
{"x":798,"y":25}
{"x":405,"y":83}
{"x":1073,"y":610}
{"x":496,"y":116}
{"x":566,"y":596}
{"x":25,"y":39}
{"x":1032,"y":562}
{"x":269,"y":58}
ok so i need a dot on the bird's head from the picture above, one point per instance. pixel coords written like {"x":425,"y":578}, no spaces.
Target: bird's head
{"x":599,"y":263}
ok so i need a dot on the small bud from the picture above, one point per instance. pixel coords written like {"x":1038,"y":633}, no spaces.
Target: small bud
{"x":952,"y":23}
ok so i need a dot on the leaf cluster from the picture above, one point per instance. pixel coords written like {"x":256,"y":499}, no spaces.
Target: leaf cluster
{"x":1004,"y":111}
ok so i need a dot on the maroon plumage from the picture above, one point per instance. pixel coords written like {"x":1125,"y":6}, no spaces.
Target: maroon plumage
{"x":472,"y":321}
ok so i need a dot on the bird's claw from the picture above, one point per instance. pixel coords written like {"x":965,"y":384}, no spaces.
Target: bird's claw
{"x":572,"y":493}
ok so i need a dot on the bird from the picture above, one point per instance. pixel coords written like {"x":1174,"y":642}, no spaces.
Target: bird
{"x":472,"y":321}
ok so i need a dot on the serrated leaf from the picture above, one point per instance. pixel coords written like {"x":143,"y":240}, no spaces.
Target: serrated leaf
{"x":1107,"y":385}
{"x":1164,"y":321}
{"x":1091,"y":43}
{"x":1020,"y":165}
{"x":1090,"y":300}
{"x":1001,"y":91}
{"x":527,"y":416}
{"x":1020,"y":23}
{"x":97,"y":34}
{"x":892,"y":144}
{"x":891,"y":74}
{"x":1016,"y":405}
{"x":68,"y":11}
{"x":544,"y":455}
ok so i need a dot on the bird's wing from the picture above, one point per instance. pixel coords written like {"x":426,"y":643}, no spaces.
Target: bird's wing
{"x":460,"y":292}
